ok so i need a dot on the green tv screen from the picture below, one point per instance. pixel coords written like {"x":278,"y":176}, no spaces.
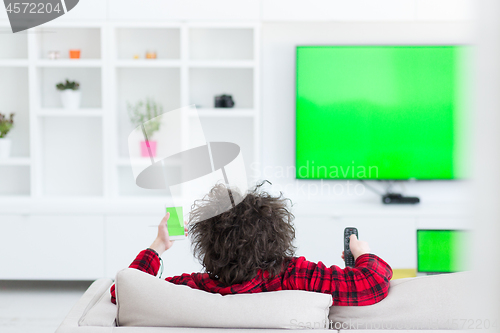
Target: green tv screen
{"x":443,"y":251}
{"x":379,"y":112}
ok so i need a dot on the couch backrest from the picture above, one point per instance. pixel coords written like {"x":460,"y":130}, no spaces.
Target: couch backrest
{"x":429,"y":302}
{"x":144,"y":300}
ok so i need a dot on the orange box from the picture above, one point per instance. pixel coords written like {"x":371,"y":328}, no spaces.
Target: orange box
{"x":151,"y":55}
{"x":74,"y":54}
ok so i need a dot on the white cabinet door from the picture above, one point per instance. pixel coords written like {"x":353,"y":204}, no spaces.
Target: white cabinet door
{"x":126,"y":236}
{"x":393,"y":239}
{"x":51,"y":247}
{"x":13,"y":250}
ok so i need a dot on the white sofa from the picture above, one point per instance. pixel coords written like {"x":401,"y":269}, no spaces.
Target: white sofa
{"x":431,"y":303}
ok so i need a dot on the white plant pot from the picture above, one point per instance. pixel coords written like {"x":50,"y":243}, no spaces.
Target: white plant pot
{"x":70,"y":99}
{"x":5,"y":145}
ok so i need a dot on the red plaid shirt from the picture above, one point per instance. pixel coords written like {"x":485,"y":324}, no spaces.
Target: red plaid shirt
{"x":365,"y":284}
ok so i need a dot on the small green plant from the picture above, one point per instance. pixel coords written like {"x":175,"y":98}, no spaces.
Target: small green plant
{"x":73,"y":85}
{"x":6,"y":124}
{"x":145,"y":112}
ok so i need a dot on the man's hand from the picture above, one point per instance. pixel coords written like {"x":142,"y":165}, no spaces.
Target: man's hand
{"x":162,"y":241}
{"x":357,"y":247}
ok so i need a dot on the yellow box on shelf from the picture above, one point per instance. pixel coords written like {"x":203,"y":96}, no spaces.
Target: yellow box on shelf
{"x":402,"y":273}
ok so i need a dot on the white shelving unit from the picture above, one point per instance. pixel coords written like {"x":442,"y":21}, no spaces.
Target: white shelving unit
{"x":70,"y":172}
{"x":184,"y":75}
{"x":79,"y":154}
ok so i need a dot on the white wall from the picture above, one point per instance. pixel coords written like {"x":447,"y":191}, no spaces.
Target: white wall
{"x":366,"y":10}
{"x":487,"y":161}
{"x":278,"y":101}
{"x":271,"y":10}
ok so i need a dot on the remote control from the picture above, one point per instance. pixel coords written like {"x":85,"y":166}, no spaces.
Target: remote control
{"x":348,"y":257}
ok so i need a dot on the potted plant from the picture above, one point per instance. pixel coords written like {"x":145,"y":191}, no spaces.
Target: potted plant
{"x":6,"y":125}
{"x":70,"y":94}
{"x":146,"y":113}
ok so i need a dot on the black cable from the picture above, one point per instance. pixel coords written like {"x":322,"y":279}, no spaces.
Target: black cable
{"x":390,"y":185}
{"x":371,"y":188}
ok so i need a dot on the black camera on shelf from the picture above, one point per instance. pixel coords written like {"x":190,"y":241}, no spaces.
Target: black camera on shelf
{"x":224,"y":101}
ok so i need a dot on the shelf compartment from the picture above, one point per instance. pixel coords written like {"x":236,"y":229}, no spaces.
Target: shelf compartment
{"x":88,"y":40}
{"x":137,"y":41}
{"x":90,"y":85}
{"x":221,"y":43}
{"x":134,"y":84}
{"x":15,"y":99}
{"x":236,"y":130}
{"x":206,"y":83}
{"x":14,"y":46}
{"x":15,"y":180}
{"x":72,"y":156}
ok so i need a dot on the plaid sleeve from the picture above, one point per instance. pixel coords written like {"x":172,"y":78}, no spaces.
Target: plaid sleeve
{"x":184,"y":279}
{"x":146,"y":261}
{"x":365,"y":284}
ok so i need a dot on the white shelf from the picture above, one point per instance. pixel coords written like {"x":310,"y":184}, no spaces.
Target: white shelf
{"x":223,"y":112}
{"x":70,"y":113}
{"x":221,"y":63}
{"x":144,"y":161}
{"x":148,"y":63}
{"x":177,"y":63}
{"x":14,"y":62}
{"x":69,"y":63}
{"x":15,"y":161}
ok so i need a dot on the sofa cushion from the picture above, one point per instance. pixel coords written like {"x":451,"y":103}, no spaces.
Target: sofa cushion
{"x":83,"y":305}
{"x":144,"y":300}
{"x":428,"y":302}
{"x":100,"y":313}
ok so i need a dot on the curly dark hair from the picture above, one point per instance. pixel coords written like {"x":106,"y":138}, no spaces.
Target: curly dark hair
{"x":232,"y":244}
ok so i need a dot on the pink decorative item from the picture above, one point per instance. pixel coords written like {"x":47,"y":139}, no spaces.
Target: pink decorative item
{"x":145,"y":150}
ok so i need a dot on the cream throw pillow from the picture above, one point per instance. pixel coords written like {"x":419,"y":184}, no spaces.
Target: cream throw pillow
{"x":144,"y":300}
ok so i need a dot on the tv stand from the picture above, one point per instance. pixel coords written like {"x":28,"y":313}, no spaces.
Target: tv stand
{"x":395,"y":198}
{"x":389,"y":198}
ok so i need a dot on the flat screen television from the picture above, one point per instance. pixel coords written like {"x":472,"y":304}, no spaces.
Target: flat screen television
{"x":442,"y":251}
{"x":379,"y":112}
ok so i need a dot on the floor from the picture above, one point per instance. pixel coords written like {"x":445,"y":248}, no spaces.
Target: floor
{"x":37,"y":306}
